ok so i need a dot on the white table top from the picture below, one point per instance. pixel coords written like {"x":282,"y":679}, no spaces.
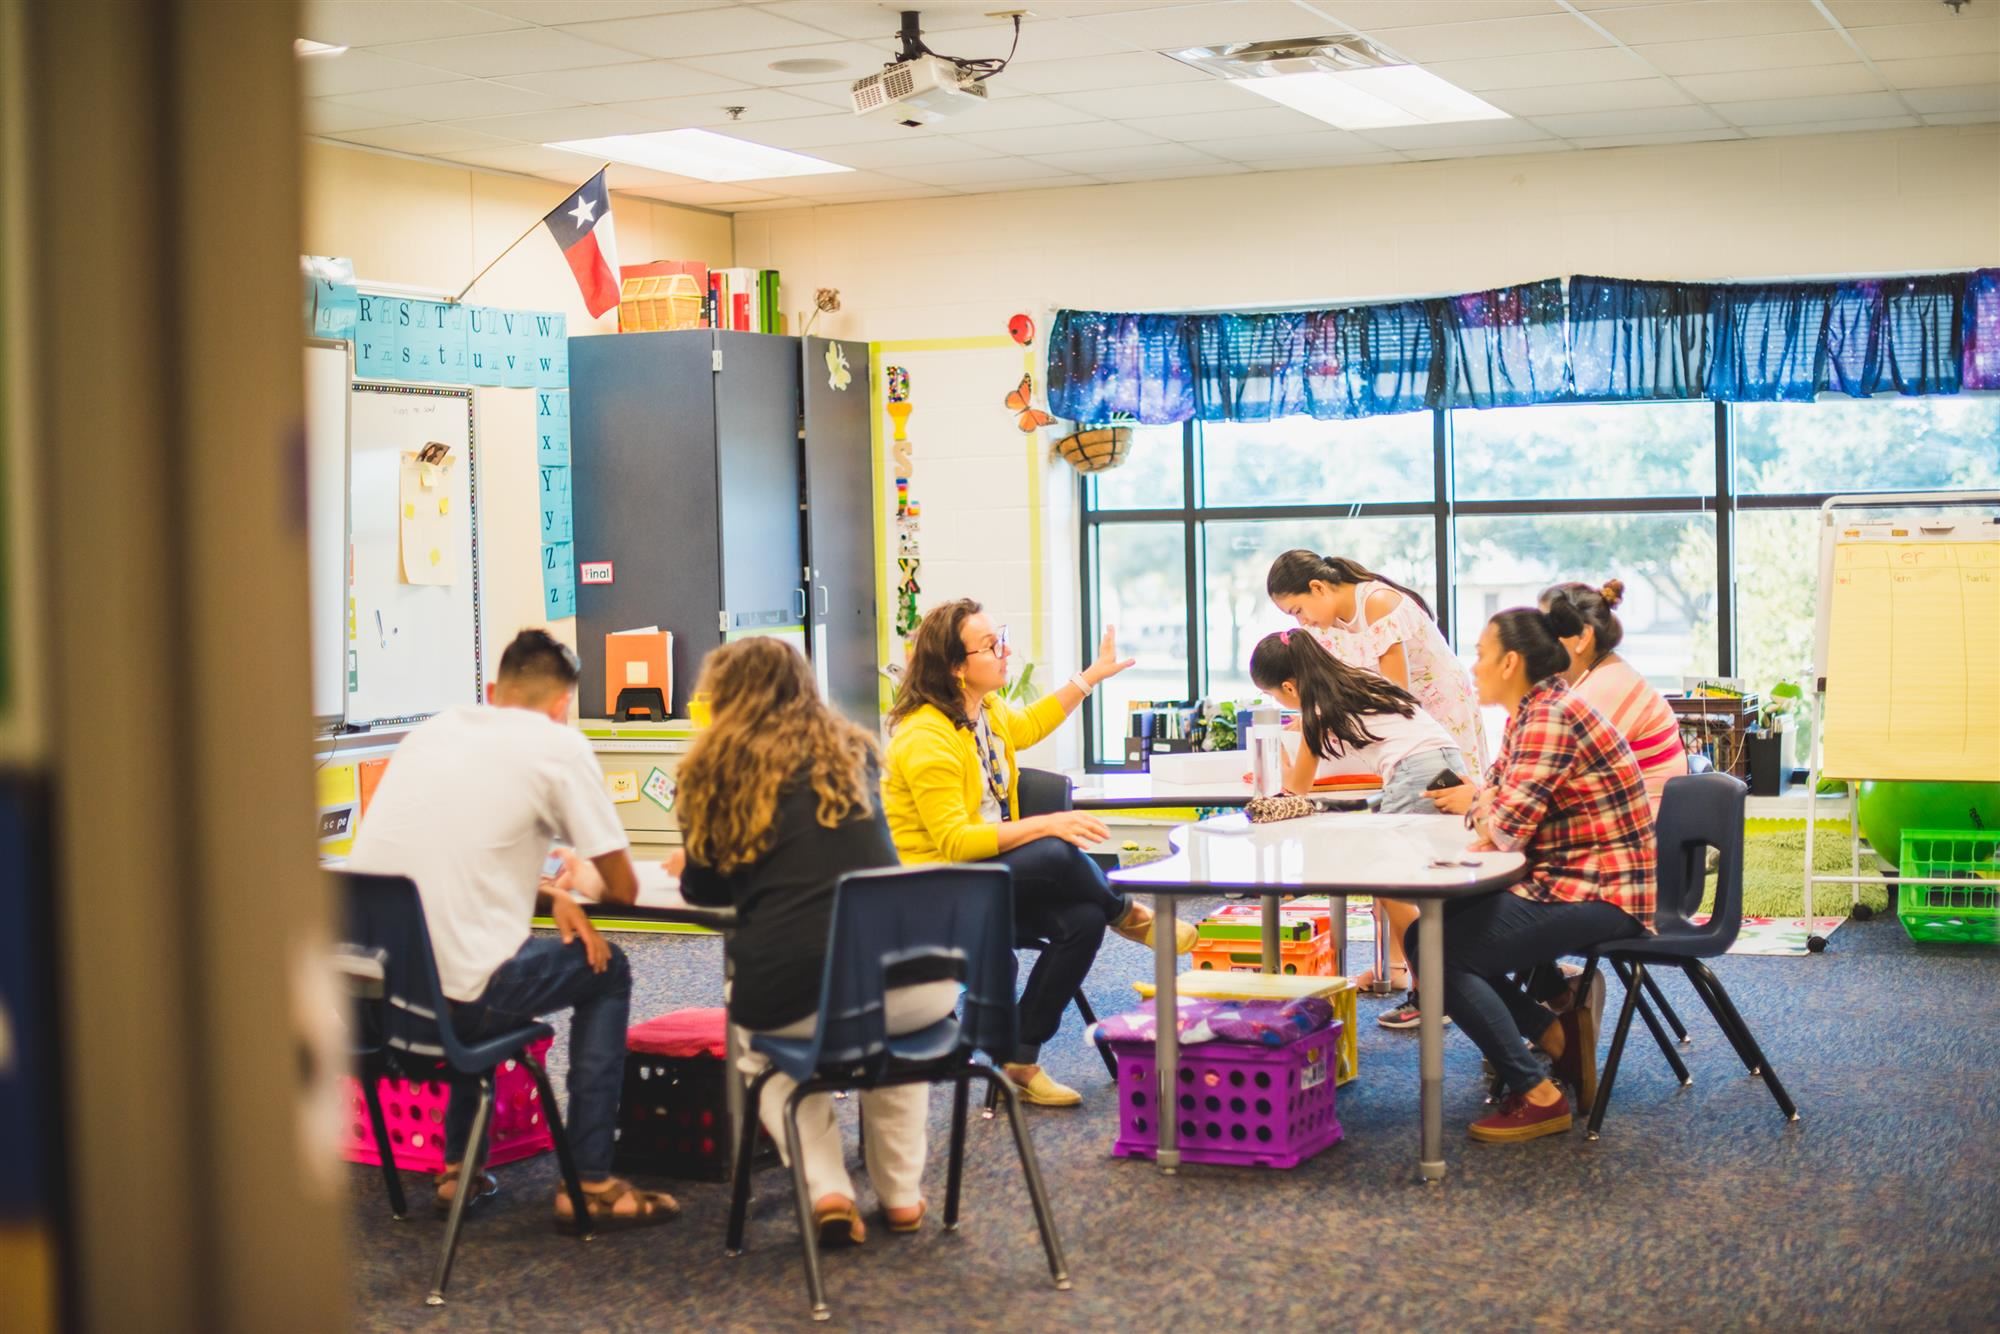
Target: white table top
{"x":1102,"y":792}
{"x":1363,"y":853}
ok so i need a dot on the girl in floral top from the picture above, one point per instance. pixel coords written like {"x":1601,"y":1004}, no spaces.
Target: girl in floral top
{"x":1380,"y":626}
{"x":1566,"y":793}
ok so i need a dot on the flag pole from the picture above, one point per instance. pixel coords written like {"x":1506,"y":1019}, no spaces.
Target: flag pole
{"x":522,"y":237}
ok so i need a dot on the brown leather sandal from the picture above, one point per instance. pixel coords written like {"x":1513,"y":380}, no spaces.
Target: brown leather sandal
{"x":839,"y":1225}
{"x":650,"y":1208}
{"x":908,"y":1225}
{"x":484,"y":1187}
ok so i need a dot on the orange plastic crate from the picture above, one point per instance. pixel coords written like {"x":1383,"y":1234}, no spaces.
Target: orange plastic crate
{"x":1303,"y":958}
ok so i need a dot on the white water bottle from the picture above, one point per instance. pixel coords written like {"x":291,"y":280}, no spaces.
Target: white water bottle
{"x":1267,"y":754}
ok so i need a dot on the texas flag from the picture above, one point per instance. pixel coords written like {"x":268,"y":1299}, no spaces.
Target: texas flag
{"x":581,"y":225}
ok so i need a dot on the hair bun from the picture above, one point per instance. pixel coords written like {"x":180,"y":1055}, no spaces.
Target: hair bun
{"x":1613,"y":592}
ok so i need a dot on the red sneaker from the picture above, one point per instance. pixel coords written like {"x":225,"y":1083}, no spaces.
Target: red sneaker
{"x":1518,"y":1120}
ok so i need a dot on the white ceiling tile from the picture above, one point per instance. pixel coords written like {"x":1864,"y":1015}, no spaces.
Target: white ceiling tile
{"x":1174,"y":99}
{"x":1229,"y":124}
{"x":523,"y":51}
{"x":1142,"y":27}
{"x":1877,"y":13}
{"x":1453,"y":152}
{"x":1041,"y":183}
{"x":1208,"y":168}
{"x":1600,"y":65}
{"x":640,"y":80}
{"x":1832,"y":127}
{"x":1328,"y":143}
{"x":706,"y":194}
{"x":528,"y":159}
{"x":840,"y":183}
{"x":815,"y":131}
{"x":1375,"y":159}
{"x":326,"y":115}
{"x":1778,"y":51}
{"x":863,"y":20}
{"x":1495,"y":37}
{"x":373,"y":22}
{"x":1138,"y":69}
{"x":1807,"y":110}
{"x":770,"y":205}
{"x":1649,"y":120}
{"x":1985,"y":117}
{"x":1374,"y":15}
{"x":1757,"y":85}
{"x":754,"y":67}
{"x":1913,"y":41}
{"x":554,"y":13}
{"x":1638,"y":25}
{"x":1937,"y":71}
{"x":462,"y":99}
{"x":1019,"y":113}
{"x":1095,"y":161}
{"x":1469,"y":132}
{"x":1934,"y":101}
{"x":1562,"y":99}
{"x":974,"y":174}
{"x":364,"y":72}
{"x":544,"y":127}
{"x":1074,"y":9}
{"x":1671,"y":137}
{"x":704,"y":32}
{"x":908,"y":190}
{"x":838,"y":93}
{"x":759,"y":104}
{"x":1042,"y":39}
{"x":908,"y":151}
{"x":428,"y":139}
{"x":1061,"y":138}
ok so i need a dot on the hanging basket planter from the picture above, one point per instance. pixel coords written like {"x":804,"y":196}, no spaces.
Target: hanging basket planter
{"x":1096,"y":448}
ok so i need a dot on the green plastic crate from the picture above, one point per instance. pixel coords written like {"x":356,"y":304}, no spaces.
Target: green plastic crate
{"x":1961,"y":913}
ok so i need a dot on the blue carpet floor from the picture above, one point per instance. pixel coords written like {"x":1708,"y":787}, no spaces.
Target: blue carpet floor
{"x":1699,"y":1208}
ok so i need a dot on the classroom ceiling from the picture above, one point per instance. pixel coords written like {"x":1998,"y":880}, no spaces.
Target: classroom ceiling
{"x":1090,"y":98}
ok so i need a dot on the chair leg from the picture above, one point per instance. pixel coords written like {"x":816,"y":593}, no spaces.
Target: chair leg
{"x":1089,"y":1017}
{"x":1611,"y":1058}
{"x":468,"y":1172}
{"x":1634,"y":981}
{"x":961,"y":1098}
{"x":739,"y":1196}
{"x":1723,"y":1006}
{"x":1667,"y":1011}
{"x":1037,"y":1195}
{"x":559,"y":1133}
{"x":802,"y":1193}
{"x":392,"y":1178}
{"x":1745,"y":1052}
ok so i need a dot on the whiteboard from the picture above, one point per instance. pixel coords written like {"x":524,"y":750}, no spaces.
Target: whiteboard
{"x":326,"y":525}
{"x":416,"y":648}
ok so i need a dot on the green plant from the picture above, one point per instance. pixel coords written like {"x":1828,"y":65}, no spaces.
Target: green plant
{"x":1020,"y":691}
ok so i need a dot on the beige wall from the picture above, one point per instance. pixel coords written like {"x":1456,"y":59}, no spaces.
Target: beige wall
{"x":432,"y":226}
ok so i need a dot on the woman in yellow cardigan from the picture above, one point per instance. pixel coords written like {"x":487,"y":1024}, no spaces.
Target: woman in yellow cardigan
{"x":950,"y":795}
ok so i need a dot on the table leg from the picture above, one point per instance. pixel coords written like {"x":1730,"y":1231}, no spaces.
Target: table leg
{"x":1166,"y":1036}
{"x":1381,"y":986}
{"x":1270,"y":933}
{"x":733,"y":1094}
{"x":1430,"y":1037}
{"x":1338,"y":903}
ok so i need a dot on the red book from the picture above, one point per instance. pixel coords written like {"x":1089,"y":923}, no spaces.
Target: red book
{"x":742,"y":311}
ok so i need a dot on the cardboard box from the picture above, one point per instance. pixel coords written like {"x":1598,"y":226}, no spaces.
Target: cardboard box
{"x":638,"y":660}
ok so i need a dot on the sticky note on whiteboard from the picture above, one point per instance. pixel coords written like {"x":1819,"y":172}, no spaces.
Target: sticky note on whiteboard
{"x":623,"y":786}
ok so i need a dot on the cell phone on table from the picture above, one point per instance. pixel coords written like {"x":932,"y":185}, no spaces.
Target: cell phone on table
{"x":552,"y":866}
{"x":1446,"y":778}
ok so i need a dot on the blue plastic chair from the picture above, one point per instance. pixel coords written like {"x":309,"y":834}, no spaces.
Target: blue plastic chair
{"x":1698,"y":812}
{"x":882,"y":919}
{"x":400,"y":1007}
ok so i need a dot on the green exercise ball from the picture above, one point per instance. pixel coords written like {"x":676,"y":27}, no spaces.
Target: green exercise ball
{"x":1885,"y":810}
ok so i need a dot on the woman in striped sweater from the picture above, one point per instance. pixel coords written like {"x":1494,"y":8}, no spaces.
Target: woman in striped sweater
{"x":1609,"y":684}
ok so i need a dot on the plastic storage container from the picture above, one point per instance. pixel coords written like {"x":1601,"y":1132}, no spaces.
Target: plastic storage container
{"x":414,"y":1112}
{"x":1967,"y":912}
{"x":1239,"y":1105}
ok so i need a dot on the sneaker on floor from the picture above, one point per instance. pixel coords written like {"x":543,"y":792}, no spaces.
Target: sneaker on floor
{"x":1518,"y":1120}
{"x":1042,"y":1091}
{"x":1403,"y":1014}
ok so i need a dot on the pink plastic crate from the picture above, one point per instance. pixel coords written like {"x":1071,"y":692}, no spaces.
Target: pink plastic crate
{"x":1240,"y":1105}
{"x":414,"y":1112}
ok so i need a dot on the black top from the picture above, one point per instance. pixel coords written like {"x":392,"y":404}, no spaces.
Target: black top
{"x":784,"y":905}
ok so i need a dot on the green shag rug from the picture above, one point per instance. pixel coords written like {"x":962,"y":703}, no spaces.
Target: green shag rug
{"x":1774,"y":871}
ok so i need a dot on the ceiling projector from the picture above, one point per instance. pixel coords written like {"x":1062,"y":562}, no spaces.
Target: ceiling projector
{"x":918,"y":92}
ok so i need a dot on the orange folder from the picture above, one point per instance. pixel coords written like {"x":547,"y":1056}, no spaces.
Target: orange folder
{"x":637,"y":659}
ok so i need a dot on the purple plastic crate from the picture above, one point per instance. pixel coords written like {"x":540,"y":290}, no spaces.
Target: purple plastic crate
{"x":1241,"y":1105}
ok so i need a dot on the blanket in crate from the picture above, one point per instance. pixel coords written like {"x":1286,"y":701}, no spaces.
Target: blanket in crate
{"x":1262,"y":1023}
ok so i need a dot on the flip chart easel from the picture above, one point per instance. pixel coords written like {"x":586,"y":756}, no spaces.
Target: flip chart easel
{"x":1906,"y":656}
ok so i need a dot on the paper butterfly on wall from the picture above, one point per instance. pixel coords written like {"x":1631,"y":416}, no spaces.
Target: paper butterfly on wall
{"x":1031,"y":418}
{"x":837,"y":374}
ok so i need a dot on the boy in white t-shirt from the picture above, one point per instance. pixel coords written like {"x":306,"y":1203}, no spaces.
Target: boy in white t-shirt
{"x":468,"y":809}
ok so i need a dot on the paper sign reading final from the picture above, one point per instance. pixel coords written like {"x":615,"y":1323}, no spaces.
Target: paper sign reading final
{"x":426,"y":523}
{"x":594,"y":572}
{"x":623,"y":785}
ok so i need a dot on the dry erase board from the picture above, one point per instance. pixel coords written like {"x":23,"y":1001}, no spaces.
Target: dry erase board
{"x":414,"y":537}
{"x":326,"y":498}
{"x":1909,"y":644}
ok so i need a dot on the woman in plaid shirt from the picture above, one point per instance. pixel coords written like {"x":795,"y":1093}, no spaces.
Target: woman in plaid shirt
{"x":1567,"y":794}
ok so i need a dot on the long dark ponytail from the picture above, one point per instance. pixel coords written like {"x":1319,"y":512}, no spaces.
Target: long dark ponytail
{"x":1334,"y":699}
{"x":1292,"y":575}
{"x":1537,"y":636}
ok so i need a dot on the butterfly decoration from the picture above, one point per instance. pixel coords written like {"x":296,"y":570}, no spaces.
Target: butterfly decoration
{"x":1031,"y":418}
{"x":838,"y":376}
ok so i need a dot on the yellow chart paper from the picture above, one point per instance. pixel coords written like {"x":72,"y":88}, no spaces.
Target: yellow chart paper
{"x":1913,"y":662}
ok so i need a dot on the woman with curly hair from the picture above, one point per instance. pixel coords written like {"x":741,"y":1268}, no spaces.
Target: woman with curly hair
{"x":779,"y":797}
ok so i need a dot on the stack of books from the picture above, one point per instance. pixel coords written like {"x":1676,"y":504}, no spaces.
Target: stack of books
{"x":745,"y":300}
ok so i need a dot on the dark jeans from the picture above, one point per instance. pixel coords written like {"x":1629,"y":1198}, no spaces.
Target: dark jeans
{"x":1489,"y":937}
{"x":544,"y":976}
{"x":1061,"y":896}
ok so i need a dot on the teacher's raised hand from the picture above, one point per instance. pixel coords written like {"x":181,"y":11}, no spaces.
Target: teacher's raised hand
{"x":1108,"y":663}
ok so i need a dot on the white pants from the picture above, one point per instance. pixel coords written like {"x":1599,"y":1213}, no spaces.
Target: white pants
{"x":893,"y":1120}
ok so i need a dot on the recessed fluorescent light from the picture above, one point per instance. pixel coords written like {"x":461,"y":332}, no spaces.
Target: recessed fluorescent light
{"x":700,"y":154}
{"x":305,"y":46}
{"x":1374,"y":99}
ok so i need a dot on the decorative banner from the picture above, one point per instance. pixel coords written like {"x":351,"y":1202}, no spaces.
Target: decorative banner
{"x":558,"y":581}
{"x":330,"y":300}
{"x":555,"y":504}
{"x":909,"y":550}
{"x":436,"y":342}
{"x":552,"y":426}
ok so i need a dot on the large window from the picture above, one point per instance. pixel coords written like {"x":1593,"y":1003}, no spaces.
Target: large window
{"x":1705,"y":512}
